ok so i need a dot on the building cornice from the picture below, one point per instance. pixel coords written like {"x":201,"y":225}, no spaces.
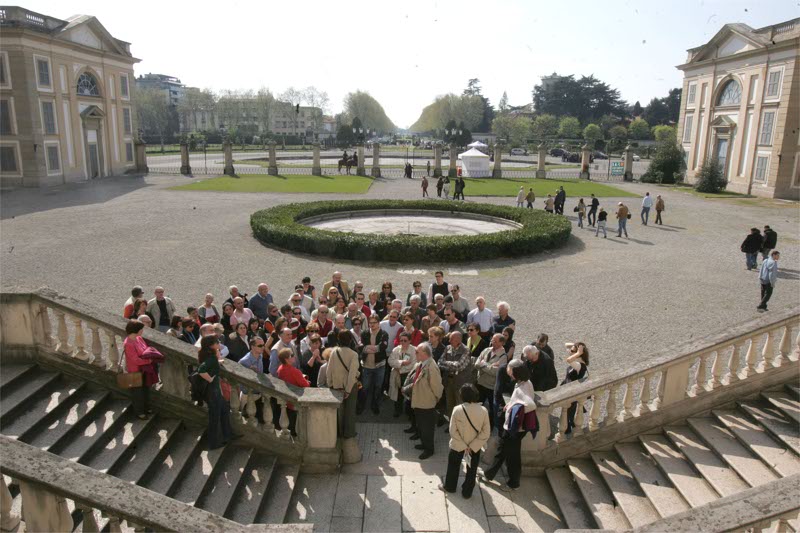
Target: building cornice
{"x":9,"y":33}
{"x":783,"y":45}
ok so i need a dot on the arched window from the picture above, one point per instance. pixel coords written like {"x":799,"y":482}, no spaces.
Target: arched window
{"x":87,"y":85}
{"x":731,"y":94}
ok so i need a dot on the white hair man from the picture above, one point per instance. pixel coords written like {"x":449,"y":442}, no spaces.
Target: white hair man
{"x":161,"y":309}
{"x":260,"y":302}
{"x":503,"y":320}
{"x":415,"y":309}
{"x":482,"y":316}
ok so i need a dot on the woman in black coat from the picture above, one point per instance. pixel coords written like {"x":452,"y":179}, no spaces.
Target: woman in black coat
{"x":238,"y":343}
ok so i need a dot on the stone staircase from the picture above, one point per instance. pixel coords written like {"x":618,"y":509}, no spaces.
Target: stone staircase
{"x":82,"y":422}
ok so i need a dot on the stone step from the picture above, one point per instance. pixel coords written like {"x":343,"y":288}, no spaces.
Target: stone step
{"x":569,"y":498}
{"x":115,"y":444}
{"x":252,"y":491}
{"x":313,"y":500}
{"x":722,"y":478}
{"x":18,"y":394}
{"x":788,"y":405}
{"x":84,"y":435}
{"x":139,"y":457}
{"x":280,"y":491}
{"x":63,"y":419}
{"x":659,"y":489}
{"x":598,"y":498}
{"x":200,"y":469}
{"x":61,"y":393}
{"x":536,"y":506}
{"x":220,"y":488}
{"x":755,"y":437}
{"x":169,"y":464}
{"x":728,"y":447}
{"x":793,"y":390}
{"x":627,"y":493}
{"x":694,"y":489}
{"x":12,"y":373}
{"x":775,"y":422}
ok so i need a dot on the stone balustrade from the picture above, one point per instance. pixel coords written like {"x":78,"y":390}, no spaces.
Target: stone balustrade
{"x":78,"y":339}
{"x":669,"y":386}
{"x":46,"y":481}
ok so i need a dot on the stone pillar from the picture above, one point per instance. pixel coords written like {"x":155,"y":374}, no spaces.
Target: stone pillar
{"x":8,"y":520}
{"x":316,"y":167}
{"x":541,"y":171}
{"x":627,"y":164}
{"x":227,"y":153}
{"x":497,"y":172}
{"x":585,"y":153}
{"x":437,"y":160}
{"x":452,"y":172}
{"x":360,"y":171}
{"x":186,"y":169}
{"x":273,"y":160}
{"x":376,"y":160}
{"x":140,"y":148}
{"x":43,"y":510}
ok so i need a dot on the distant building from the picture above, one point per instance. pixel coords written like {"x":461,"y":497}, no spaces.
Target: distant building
{"x":66,"y":91}
{"x":522,"y":111}
{"x":741,"y":107}
{"x":169,"y":85}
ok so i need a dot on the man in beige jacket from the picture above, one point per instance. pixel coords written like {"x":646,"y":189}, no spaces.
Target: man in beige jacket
{"x":424,"y":386}
{"x":470,"y":429}
{"x":342,"y":375}
{"x":341,"y":286}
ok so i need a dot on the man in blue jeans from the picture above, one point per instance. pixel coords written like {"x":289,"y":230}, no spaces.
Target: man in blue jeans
{"x":768,"y":277}
{"x":647,"y":203}
{"x":373,"y":364}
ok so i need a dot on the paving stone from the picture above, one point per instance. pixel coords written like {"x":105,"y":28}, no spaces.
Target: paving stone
{"x":496,"y":501}
{"x":345,"y":524}
{"x":424,"y":507}
{"x":350,"y":495}
{"x":383,"y":510}
{"x":466,"y":515}
{"x":503,"y":524}
{"x":312,"y":500}
{"x":535,"y":506}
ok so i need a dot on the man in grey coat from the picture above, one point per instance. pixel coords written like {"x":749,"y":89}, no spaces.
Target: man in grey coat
{"x":768,"y":277}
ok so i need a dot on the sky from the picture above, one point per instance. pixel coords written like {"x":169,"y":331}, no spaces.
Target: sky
{"x":406,"y":53}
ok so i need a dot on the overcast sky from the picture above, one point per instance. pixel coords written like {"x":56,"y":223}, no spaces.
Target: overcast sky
{"x":407,"y":53}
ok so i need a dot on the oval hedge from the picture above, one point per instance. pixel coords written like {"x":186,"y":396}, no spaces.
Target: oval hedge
{"x":278,"y":227}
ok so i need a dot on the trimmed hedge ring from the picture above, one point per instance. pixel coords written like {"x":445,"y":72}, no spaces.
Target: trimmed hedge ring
{"x":539,"y":231}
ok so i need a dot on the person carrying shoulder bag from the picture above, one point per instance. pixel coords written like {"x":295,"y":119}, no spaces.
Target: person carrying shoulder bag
{"x":469,"y":433}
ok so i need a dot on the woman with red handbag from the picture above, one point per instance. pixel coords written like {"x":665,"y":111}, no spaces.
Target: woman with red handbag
{"x":134,"y":347}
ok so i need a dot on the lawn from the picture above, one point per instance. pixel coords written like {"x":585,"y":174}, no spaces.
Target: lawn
{"x":265,"y":183}
{"x":722,"y":194}
{"x":510,"y":187}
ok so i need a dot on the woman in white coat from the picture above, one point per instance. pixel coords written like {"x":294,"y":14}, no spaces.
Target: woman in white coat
{"x":469,"y":433}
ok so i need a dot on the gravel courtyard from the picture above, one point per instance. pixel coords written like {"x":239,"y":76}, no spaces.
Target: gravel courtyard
{"x":624,"y":298}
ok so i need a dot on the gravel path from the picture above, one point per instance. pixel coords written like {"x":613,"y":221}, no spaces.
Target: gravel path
{"x":625,"y":298}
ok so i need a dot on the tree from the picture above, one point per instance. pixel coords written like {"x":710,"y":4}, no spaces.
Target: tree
{"x":592,"y":133}
{"x":544,"y":126}
{"x":288,"y":102}
{"x":194,"y":101}
{"x":619,"y":136}
{"x":474,"y":89}
{"x":607,"y":122}
{"x":502,"y":105}
{"x":465,"y":108}
{"x":371,"y":113}
{"x":664,"y":133}
{"x":514,"y":130}
{"x":153,"y":113}
{"x":639,"y":129}
{"x":587,"y":99}
{"x":673,"y":103}
{"x":637,"y":109}
{"x":667,"y":165}
{"x":318,"y":101}
{"x":664,"y":110}
{"x":710,"y":178}
{"x":569,"y":128}
{"x":265,"y":105}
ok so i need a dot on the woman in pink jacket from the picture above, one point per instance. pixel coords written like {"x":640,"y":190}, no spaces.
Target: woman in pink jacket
{"x":134,"y":347}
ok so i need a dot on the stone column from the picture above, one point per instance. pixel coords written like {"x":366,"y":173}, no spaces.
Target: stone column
{"x":585,"y":153}
{"x":541,"y":171}
{"x":497,"y":172}
{"x":8,"y":520}
{"x":376,"y":160}
{"x":316,"y":167}
{"x":273,"y":160}
{"x":437,"y":160}
{"x":227,"y":153}
{"x":627,"y":164}
{"x":360,"y":171}
{"x":452,"y":172}
{"x":186,"y":169}
{"x":140,"y":149}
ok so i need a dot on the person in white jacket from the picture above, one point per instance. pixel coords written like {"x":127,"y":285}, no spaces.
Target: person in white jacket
{"x":469,"y":433}
{"x":521,"y":197}
{"x":647,"y":203}
{"x":508,"y":450}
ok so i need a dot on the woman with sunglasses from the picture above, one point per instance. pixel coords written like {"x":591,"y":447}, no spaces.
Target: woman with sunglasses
{"x":385,"y":298}
{"x":417,"y":289}
{"x":413,"y":333}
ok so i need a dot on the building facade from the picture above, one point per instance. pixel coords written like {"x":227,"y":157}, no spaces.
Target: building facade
{"x":741,"y":107}
{"x":66,"y":100}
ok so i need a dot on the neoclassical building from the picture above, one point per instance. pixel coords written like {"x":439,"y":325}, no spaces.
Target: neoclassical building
{"x":66,"y":100}
{"x":741,"y":107}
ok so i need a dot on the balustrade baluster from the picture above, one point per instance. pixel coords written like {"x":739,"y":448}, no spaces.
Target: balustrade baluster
{"x":89,"y":521}
{"x":250,"y":408}
{"x":751,"y":357}
{"x":627,"y":401}
{"x":580,"y":417}
{"x":97,"y":347}
{"x":735,"y":362}
{"x":646,"y":396}
{"x":797,"y":346}
{"x":63,"y":345}
{"x":8,"y":521}
{"x":114,"y":525}
{"x":768,"y":353}
{"x":594,"y":415}
{"x":113,"y":351}
{"x":284,"y":419}
{"x":786,"y":342}
{"x":719,"y":370}
{"x":701,"y":381}
{"x":80,"y":341}
{"x":47,"y":329}
{"x":236,"y":403}
{"x":266,"y":413}
{"x":543,"y":436}
{"x":611,"y":406}
{"x":561,"y":433}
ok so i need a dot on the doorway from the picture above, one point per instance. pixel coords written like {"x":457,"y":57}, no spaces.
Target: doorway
{"x":722,"y":155}
{"x":94,"y":161}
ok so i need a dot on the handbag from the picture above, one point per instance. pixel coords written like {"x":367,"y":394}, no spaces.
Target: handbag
{"x":629,"y":216}
{"x":129,"y":380}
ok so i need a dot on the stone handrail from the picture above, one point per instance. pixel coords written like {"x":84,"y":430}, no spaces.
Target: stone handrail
{"x":91,"y":339}
{"x":46,"y":480}
{"x":717,"y":364}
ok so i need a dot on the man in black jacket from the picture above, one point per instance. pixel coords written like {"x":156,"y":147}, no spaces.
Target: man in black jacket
{"x":543,"y":376}
{"x":770,"y":242}
{"x":591,"y":217}
{"x":750,"y":246}
{"x":373,"y":364}
{"x":561,"y":199}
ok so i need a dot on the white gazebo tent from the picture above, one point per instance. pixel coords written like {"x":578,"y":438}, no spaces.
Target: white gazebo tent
{"x":477,"y":144}
{"x":474,"y":164}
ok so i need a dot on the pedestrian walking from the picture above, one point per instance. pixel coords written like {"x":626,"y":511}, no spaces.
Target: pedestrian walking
{"x":591,"y":218}
{"x":424,"y":186}
{"x":549,"y":204}
{"x":647,"y":203}
{"x":447,"y":188}
{"x":520,"y":196}
{"x":581,"y":210}
{"x":601,"y":223}
{"x":768,"y":277}
{"x":561,"y":199}
{"x":439,"y":186}
{"x":530,"y":198}
{"x":750,"y":247}
{"x":623,"y":214}
{"x":659,"y":209}
{"x":428,"y":168}
{"x":770,"y":241}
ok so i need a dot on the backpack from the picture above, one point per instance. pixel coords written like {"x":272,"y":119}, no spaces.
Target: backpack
{"x":199,"y":387}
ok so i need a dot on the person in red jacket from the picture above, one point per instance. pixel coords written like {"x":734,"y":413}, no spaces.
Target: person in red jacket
{"x":288,"y":372}
{"x":408,"y":326}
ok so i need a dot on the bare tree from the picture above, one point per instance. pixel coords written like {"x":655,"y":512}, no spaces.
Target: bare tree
{"x":318,"y":101}
{"x":289,"y":100}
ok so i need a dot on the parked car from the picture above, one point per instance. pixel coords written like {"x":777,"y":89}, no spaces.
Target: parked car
{"x":557,"y":152}
{"x":519,"y":151}
{"x":600,"y":155}
{"x":636,"y":157}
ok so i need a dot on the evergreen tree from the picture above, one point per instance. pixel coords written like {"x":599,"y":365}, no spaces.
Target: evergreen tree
{"x":710,"y":178}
